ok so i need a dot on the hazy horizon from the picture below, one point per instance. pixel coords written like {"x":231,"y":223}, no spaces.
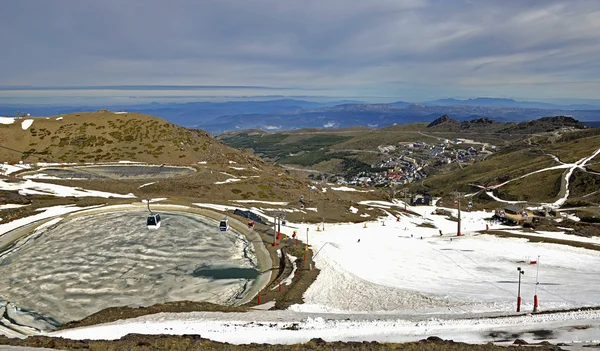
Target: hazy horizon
{"x":410,"y":50}
{"x":145,"y":94}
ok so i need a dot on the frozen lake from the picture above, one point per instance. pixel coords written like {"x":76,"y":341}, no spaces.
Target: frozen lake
{"x":83,"y":265}
{"x":111,"y":172}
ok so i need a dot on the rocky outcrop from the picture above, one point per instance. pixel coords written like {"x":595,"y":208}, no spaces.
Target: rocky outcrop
{"x":445,"y":119}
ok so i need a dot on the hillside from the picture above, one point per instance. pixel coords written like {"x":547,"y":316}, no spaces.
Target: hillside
{"x":514,"y":149}
{"x":216,"y":172}
{"x":108,"y":136}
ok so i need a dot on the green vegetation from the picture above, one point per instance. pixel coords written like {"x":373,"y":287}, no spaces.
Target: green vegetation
{"x":275,"y":147}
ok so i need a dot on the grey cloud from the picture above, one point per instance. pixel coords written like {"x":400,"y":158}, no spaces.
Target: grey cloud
{"x":311,"y":43}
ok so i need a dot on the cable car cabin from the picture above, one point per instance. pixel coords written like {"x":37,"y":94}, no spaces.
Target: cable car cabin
{"x":224,"y":225}
{"x":153,"y":221}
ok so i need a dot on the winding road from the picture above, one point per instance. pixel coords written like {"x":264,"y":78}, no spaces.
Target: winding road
{"x":563,"y":194}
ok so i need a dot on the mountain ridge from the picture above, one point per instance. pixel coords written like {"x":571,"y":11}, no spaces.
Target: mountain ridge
{"x":289,"y":114}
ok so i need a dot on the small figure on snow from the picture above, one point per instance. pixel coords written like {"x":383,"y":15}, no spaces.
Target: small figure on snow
{"x":358,"y":241}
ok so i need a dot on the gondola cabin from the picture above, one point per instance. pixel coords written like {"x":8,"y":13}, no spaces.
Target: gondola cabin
{"x":153,"y":221}
{"x":224,"y":225}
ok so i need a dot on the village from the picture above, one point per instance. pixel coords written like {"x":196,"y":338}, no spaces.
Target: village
{"x":407,"y":162}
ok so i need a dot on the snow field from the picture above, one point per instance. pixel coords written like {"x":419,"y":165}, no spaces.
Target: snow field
{"x":37,"y":188}
{"x":274,"y":327}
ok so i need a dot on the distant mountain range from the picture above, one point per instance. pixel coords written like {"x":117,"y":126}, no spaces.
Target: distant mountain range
{"x":499,"y":102}
{"x":286,"y":114}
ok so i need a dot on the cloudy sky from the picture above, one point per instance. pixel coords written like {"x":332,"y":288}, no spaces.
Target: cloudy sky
{"x":410,"y":50}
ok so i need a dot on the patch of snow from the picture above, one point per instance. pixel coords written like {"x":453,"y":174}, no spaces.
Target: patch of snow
{"x":143,"y":185}
{"x":26,"y":124}
{"x":201,"y":162}
{"x":324,"y":190}
{"x":311,"y":209}
{"x":573,"y":217}
{"x":120,"y":113}
{"x":262,"y":202}
{"x":232,"y":162}
{"x":155,"y":200}
{"x":6,"y":169}
{"x":59,"y":118}
{"x":219,"y":207}
{"x":491,"y":194}
{"x":353,"y":209}
{"x":126,"y":162}
{"x":230,"y":180}
{"x":7,"y":206}
{"x":48,"y":224}
{"x":290,"y":277}
{"x":345,"y":188}
{"x":365,"y":215}
{"x":37,"y":188}
{"x":7,"y":120}
{"x":40,"y":176}
{"x":238,"y":168}
{"x":46,"y":212}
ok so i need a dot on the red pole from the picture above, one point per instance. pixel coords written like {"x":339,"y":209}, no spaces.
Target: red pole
{"x":305,"y":256}
{"x":296,"y":242}
{"x":535,"y":303}
{"x":519,"y":304}
{"x":279,"y":287}
{"x":258,"y":298}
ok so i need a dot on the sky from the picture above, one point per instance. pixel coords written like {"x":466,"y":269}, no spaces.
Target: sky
{"x":412,"y":50}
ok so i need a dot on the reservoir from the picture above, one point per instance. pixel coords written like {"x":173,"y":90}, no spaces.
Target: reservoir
{"x":82,"y":265}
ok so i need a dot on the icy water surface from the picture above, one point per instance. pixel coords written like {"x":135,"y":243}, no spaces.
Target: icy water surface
{"x":121,"y":171}
{"x":89,"y":263}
